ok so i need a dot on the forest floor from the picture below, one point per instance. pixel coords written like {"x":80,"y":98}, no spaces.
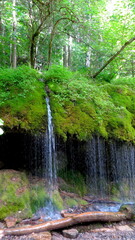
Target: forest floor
{"x":120,"y":231}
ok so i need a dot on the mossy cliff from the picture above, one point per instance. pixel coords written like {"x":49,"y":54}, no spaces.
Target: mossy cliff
{"x":80,"y":106}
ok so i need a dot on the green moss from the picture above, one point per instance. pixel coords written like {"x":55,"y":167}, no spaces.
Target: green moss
{"x":80,"y":106}
{"x":38,"y":196}
{"x":57,"y":200}
{"x":14,"y":194}
{"x":71,"y":202}
{"x":21,"y":98}
{"x":84,"y":108}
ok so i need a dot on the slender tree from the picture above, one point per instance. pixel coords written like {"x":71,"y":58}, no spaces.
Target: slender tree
{"x":13,"y":52}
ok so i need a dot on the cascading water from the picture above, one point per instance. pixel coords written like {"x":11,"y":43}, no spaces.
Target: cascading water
{"x":49,"y":165}
{"x":51,"y":169}
{"x":111,"y":168}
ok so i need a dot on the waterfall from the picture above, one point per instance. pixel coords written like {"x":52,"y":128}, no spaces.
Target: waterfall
{"x":110,"y":168}
{"x":96,"y":166}
{"x":51,"y":169}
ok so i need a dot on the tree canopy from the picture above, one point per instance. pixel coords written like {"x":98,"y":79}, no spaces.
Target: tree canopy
{"x":81,"y":35}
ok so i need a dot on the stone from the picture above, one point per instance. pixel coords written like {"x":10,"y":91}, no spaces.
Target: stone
{"x":71,"y":233}
{"x":10,"y":221}
{"x":124,"y":228}
{"x":57,"y":236}
{"x":41,"y":236}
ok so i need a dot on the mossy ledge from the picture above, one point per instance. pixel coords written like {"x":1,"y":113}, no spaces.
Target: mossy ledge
{"x":80,"y":106}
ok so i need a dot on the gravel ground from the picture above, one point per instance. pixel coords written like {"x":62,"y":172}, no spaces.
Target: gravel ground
{"x":83,"y":236}
{"x":115,"y":231}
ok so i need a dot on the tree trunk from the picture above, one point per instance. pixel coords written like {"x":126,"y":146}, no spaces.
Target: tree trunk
{"x":14,"y":57}
{"x":32,"y":52}
{"x":65,"y":56}
{"x":69,"y":51}
{"x":113,"y":57}
{"x":67,"y":222}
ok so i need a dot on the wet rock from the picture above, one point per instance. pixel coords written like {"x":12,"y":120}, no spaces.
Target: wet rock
{"x":71,"y":233}
{"x":10,"y":221}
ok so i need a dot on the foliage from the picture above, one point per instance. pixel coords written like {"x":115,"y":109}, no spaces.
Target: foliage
{"x":91,"y":31}
{"x":21,"y":98}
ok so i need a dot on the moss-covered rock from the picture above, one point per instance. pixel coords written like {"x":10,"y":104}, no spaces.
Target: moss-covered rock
{"x":22,"y":102}
{"x":38,"y":194}
{"x":129,"y":210}
{"x":71,"y":202}
{"x":57,"y":200}
{"x":80,"y":106}
{"x":14,"y":194}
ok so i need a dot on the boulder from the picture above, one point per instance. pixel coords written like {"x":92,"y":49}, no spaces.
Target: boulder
{"x":71,"y":233}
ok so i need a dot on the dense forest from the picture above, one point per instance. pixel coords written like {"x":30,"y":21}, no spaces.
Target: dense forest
{"x":83,"y":52}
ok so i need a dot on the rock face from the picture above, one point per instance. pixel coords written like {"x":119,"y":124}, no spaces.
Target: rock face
{"x":71,"y":233}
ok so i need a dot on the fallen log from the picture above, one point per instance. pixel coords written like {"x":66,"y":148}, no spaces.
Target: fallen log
{"x":67,"y":222}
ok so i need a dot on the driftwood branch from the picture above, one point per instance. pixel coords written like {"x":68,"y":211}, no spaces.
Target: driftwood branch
{"x":113,"y":57}
{"x":67,"y":222}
